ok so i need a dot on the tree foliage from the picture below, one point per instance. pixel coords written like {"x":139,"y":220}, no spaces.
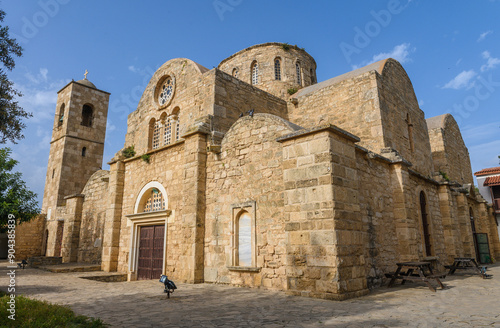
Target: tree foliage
{"x":15,"y":198}
{"x":11,"y":114}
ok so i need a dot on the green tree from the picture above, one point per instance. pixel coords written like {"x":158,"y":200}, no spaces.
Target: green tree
{"x":11,"y":114}
{"x":15,"y":198}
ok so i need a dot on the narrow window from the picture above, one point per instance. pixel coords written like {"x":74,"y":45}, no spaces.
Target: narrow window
{"x":313,"y":77}
{"x":244,"y":240}
{"x":297,"y":71}
{"x":53,"y":172}
{"x":156,"y":135}
{"x":235,"y":72}
{"x":410,"y":133}
{"x":277,"y":69}
{"x":167,"y":134}
{"x":84,"y":151}
{"x":425,"y":224}
{"x":60,"y":120}
{"x":255,"y":73}
{"x":87,"y":116}
{"x":178,"y":129}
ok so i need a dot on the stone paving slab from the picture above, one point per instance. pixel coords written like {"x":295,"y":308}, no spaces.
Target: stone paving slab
{"x":468,"y":301}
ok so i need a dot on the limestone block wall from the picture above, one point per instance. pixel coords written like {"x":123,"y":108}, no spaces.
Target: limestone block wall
{"x":434,"y":217}
{"x":29,"y":238}
{"x":71,"y":230}
{"x":377,"y":209}
{"x":449,"y":153}
{"x":233,"y":97}
{"x":404,"y":125}
{"x":325,"y":254}
{"x":239,"y":65}
{"x":93,"y":215}
{"x":351,"y":104}
{"x":248,"y":170}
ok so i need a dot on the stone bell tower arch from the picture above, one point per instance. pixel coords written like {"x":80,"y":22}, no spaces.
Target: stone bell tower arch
{"x":76,"y":151}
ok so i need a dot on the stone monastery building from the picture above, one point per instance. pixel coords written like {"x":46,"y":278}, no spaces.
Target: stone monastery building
{"x":227,"y":178}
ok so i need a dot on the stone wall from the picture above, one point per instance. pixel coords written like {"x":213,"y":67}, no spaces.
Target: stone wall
{"x":449,"y":153}
{"x":404,"y":126}
{"x":249,"y":169}
{"x":350,"y":103}
{"x":29,"y":238}
{"x":93,"y":215}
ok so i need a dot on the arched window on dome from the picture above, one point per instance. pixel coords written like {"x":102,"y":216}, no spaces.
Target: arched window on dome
{"x":167,"y":132}
{"x":313,"y":77}
{"x":87,"y":115}
{"x":277,"y":69}
{"x":298,"y":73}
{"x":235,"y":72}
{"x":255,"y":73}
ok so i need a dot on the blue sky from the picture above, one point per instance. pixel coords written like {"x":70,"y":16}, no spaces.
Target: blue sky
{"x":450,"y":50}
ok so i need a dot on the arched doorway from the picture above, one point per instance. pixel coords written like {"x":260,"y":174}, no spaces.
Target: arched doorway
{"x":148,"y":248}
{"x":425,"y":225}
{"x":473,"y":228}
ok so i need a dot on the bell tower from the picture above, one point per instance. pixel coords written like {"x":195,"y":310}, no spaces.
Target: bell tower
{"x":77,"y":144}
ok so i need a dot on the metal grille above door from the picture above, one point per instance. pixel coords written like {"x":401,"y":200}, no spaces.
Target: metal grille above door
{"x":151,"y":241}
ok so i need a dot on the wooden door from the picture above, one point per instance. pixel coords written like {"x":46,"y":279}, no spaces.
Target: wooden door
{"x":150,"y":262}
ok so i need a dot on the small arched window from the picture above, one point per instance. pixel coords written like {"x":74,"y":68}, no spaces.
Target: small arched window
{"x":167,"y":133}
{"x":255,"y":73}
{"x":154,"y":202}
{"x":84,"y":151}
{"x":156,"y":135}
{"x":277,"y":69}
{"x":299,"y":75}
{"x":235,"y":72}
{"x":87,"y":115}
{"x":313,"y":77}
{"x":60,"y":119}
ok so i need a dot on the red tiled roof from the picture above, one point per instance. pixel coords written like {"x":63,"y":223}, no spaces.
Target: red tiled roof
{"x":492,"y":181}
{"x":491,"y":170}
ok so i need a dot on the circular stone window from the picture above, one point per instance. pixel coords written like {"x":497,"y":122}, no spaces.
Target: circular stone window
{"x":166,"y":90}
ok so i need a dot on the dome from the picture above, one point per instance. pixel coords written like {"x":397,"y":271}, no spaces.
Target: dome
{"x":87,"y":83}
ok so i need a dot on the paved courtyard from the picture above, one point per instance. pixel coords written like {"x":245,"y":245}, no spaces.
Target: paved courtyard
{"x":468,"y":301}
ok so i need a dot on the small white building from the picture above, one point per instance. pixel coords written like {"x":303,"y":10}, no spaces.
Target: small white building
{"x":488,"y":181}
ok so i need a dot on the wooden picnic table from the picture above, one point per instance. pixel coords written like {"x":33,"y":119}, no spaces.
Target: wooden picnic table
{"x":416,"y":271}
{"x":466,"y":263}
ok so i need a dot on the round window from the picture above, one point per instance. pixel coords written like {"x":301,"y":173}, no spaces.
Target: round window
{"x":166,"y":91}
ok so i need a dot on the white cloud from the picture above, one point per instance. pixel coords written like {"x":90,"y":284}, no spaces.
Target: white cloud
{"x":400,"y":52}
{"x":491,"y":62}
{"x":483,"y":35}
{"x":462,"y":80}
{"x":421,"y":103}
{"x":134,"y":69}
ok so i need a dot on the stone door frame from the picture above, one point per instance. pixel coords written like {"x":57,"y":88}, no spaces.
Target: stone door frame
{"x":141,"y":220}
